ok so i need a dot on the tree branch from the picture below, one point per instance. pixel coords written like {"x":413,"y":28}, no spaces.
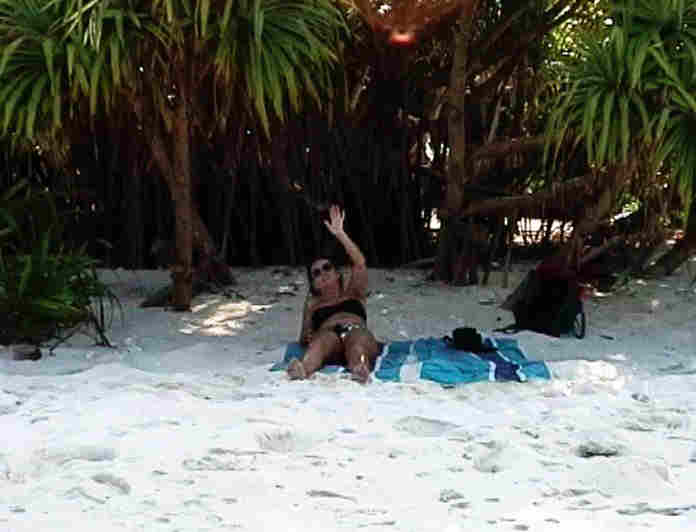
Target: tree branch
{"x":160,"y":156}
{"x":574,"y":187}
{"x":503,"y":148}
{"x":501,"y":29}
{"x":552,"y":18}
{"x":597,"y":251}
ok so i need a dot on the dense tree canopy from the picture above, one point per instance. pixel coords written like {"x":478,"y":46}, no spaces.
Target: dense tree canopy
{"x":228,"y":126}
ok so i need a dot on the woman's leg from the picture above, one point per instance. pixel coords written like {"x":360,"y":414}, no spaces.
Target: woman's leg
{"x":324,"y":345}
{"x":361,"y":352}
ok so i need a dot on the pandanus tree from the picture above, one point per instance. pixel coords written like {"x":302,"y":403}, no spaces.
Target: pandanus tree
{"x":163,"y":62}
{"x":672,"y":27}
{"x":630,"y":104}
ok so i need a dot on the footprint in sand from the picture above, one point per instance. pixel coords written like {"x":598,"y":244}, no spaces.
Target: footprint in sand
{"x":284,"y":441}
{"x":59,"y":457}
{"x":449,"y":495}
{"x":423,"y":426}
{"x":600,"y":444}
{"x":9,"y":403}
{"x":657,"y":421}
{"x":211,"y":463}
{"x":79,"y":492}
{"x":6,"y":472}
{"x":636,"y":477}
{"x":501,"y":455}
{"x":646,"y":508}
{"x":117,"y":483}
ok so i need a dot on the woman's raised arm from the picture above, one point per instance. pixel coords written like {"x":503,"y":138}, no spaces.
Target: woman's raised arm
{"x":358,"y":278}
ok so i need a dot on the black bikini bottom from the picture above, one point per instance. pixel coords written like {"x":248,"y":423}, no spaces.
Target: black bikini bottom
{"x":343,"y":329}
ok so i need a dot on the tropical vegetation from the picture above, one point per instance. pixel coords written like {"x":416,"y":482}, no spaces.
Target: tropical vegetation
{"x":48,"y":290}
{"x":221,"y":129}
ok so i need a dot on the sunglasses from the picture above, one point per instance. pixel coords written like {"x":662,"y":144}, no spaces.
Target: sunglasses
{"x":326,"y":267}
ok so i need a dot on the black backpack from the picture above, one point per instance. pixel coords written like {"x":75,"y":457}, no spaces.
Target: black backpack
{"x":547,"y":305}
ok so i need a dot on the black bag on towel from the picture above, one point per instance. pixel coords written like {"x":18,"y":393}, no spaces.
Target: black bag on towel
{"x":469,"y":339}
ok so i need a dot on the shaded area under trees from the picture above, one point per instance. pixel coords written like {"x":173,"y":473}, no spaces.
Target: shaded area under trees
{"x":454,"y":125}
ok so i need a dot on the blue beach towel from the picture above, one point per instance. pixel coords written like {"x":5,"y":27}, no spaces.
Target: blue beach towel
{"x":297,"y":350}
{"x":436,"y":360}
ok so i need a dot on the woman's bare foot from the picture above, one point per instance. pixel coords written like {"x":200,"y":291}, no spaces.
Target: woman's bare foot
{"x":361,"y":373}
{"x":296,"y":370}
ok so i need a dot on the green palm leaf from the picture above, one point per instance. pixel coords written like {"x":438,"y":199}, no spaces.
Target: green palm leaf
{"x":12,"y":100}
{"x":8,"y":52}
{"x":269,"y":50}
{"x":48,"y":46}
{"x":643,"y":67}
{"x":34,"y":103}
{"x":624,"y":126}
{"x":607,"y":115}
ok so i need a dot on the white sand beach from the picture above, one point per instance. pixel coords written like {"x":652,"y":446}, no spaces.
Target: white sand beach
{"x":182,"y":427}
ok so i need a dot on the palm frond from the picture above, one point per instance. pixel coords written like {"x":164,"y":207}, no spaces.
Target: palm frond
{"x":638,"y":69}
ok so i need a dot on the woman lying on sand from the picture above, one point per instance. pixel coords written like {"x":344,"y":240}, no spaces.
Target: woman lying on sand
{"x":334,"y":327}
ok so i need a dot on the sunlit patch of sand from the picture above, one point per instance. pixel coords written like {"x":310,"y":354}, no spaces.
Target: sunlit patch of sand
{"x":217,"y":317}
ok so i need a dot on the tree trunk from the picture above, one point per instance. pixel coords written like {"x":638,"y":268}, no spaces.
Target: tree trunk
{"x":227,"y":220}
{"x":457,"y":132}
{"x":134,"y":223}
{"x":360,"y":186}
{"x":252,"y":219}
{"x":203,"y":241}
{"x":190,"y":232}
{"x":182,"y":269}
{"x":682,"y":250}
{"x":457,"y":128}
{"x":279,"y":167}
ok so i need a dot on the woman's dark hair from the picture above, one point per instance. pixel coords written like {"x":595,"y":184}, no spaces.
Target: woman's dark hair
{"x":312,"y":290}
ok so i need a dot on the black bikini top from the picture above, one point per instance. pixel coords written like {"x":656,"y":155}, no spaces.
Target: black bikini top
{"x":353,"y":306}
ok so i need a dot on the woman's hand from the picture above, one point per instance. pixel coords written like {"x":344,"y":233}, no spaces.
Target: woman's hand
{"x":335,"y":225}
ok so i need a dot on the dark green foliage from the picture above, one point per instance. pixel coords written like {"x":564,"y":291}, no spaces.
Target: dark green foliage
{"x":46,"y":292}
